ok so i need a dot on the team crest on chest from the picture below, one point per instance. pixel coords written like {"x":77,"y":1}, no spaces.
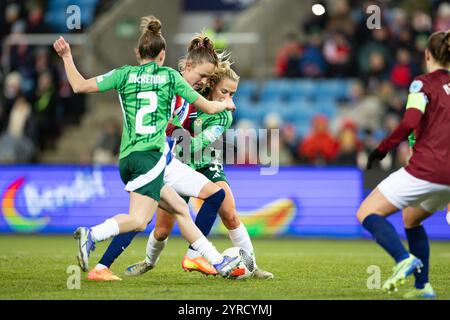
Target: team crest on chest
{"x":198,"y":122}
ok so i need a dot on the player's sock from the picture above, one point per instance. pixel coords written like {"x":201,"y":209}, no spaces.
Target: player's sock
{"x":116,"y":247}
{"x":208,"y":212}
{"x":240,"y":238}
{"x":420,"y":247}
{"x":100,"y":266}
{"x":154,"y":249}
{"x":192,"y":254}
{"x":207,"y":250}
{"x":105,"y":230}
{"x":386,"y":236}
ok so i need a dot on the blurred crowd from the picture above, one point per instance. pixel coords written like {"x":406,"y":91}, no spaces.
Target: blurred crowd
{"x":37,"y":104}
{"x":385,"y":60}
{"x":36,"y":101}
{"x":36,"y":94}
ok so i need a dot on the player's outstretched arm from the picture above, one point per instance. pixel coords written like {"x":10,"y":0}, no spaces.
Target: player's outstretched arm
{"x":213,"y":107}
{"x":78,"y":83}
{"x":409,"y":122}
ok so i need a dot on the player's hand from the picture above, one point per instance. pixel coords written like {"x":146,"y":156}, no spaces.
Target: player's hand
{"x":230,"y":104}
{"x":62,"y":47}
{"x":180,"y":134}
{"x":375,"y":155}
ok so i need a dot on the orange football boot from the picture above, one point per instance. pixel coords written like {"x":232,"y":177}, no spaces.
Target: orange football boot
{"x":102,"y":275}
{"x":237,"y":272}
{"x":199,"y":264}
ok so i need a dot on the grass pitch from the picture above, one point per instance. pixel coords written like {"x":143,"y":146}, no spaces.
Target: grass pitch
{"x":35,"y":267}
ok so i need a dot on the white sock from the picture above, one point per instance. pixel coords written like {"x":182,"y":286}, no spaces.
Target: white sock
{"x":154,"y":249}
{"x":206,"y":249}
{"x":100,"y":266}
{"x":192,"y":254}
{"x":240,"y":238}
{"x":105,"y":230}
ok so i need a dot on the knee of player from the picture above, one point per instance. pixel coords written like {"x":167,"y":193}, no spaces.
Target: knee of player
{"x":182,"y":207}
{"x":361,"y":215}
{"x":140,"y":223}
{"x":161,"y":233}
{"x":409,"y":221}
{"x":230,"y":219}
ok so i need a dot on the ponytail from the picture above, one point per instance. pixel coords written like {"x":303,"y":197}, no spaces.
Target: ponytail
{"x":151,"y":42}
{"x":200,"y":50}
{"x":439,"y":47}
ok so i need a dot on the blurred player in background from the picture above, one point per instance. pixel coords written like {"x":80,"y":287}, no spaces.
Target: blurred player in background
{"x":425,"y":181}
{"x":145,"y":94}
{"x":200,"y":64}
{"x":222,"y":85}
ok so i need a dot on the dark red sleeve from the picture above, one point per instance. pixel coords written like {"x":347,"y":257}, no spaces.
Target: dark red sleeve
{"x":192,"y":116}
{"x":410,"y":121}
{"x":170,"y":129}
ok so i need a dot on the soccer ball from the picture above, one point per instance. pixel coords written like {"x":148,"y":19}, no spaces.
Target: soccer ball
{"x":246,"y":266}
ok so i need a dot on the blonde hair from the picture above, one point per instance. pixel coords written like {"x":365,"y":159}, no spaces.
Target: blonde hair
{"x":223,"y":71}
{"x":151,"y":42}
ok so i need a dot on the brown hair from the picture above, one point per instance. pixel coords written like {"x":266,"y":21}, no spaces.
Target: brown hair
{"x":200,"y":49}
{"x":439,"y":47}
{"x":151,"y":42}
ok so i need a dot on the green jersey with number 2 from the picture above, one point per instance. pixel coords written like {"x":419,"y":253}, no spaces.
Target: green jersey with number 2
{"x":145,"y":95}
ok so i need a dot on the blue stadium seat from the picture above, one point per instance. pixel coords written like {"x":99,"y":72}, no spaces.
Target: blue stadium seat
{"x":302,"y":127}
{"x":326,"y":105}
{"x":242,"y":101}
{"x":294,"y":113}
{"x":254,"y":112}
{"x":276,"y":90}
{"x":247,"y":88}
{"x":273,"y":105}
{"x":301,"y":88}
{"x":300,"y":117}
{"x":338,"y":88}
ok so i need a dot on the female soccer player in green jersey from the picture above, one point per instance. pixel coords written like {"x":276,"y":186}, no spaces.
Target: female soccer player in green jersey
{"x":222,"y":85}
{"x":145,"y":93}
{"x":199,"y":63}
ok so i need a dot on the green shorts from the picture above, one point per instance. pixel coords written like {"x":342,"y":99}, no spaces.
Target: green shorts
{"x":214,"y":172}
{"x":143,"y":173}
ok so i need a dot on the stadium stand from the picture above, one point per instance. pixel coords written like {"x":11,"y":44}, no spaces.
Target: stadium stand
{"x":317,"y":74}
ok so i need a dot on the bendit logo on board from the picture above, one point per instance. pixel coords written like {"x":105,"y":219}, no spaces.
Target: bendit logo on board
{"x":27,"y":206}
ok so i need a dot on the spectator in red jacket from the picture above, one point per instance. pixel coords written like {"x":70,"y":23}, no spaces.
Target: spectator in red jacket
{"x":403,"y":71}
{"x":319,"y":146}
{"x":286,"y":62}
